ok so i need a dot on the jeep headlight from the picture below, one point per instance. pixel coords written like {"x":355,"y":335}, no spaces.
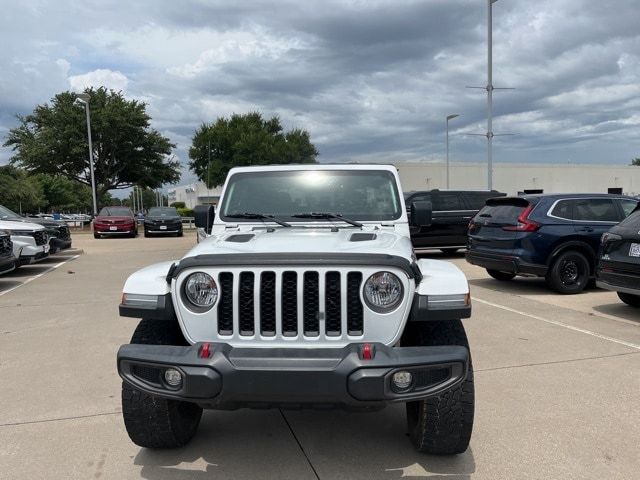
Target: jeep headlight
{"x":383,"y":292}
{"x":200,"y":290}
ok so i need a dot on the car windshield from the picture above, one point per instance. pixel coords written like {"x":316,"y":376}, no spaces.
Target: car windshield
{"x":288,"y":195}
{"x":6,"y":213}
{"x":163,"y":212}
{"x":115,"y":212}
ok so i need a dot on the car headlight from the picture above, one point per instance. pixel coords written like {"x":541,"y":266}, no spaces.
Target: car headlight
{"x":201,"y":291}
{"x":383,"y":292}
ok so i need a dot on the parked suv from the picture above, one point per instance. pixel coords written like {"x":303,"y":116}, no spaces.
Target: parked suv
{"x":305,"y":293}
{"x":555,"y":236}
{"x":58,"y":231}
{"x":162,"y":221}
{"x":115,"y":221}
{"x":30,"y":242}
{"x":619,"y":265}
{"x":7,"y":258}
{"x":452,"y":210}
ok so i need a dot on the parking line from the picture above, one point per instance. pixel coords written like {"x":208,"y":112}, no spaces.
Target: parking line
{"x":31,"y":279}
{"x":560,"y":324}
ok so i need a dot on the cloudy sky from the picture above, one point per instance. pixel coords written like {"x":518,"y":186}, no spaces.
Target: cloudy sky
{"x":369,"y":79}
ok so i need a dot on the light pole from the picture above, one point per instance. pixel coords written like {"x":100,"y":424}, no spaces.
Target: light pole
{"x":490,"y":94}
{"x":449,"y":117}
{"x":84,"y":98}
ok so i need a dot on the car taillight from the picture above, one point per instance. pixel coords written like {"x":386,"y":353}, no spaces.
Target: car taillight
{"x":609,"y":237}
{"x":524,"y":224}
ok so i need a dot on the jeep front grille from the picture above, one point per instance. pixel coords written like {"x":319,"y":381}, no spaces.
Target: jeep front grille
{"x":289,"y":303}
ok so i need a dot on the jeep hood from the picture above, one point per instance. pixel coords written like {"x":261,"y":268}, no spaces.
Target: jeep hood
{"x":306,"y":240}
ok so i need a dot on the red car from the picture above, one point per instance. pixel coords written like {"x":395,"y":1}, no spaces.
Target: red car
{"x":115,"y":221}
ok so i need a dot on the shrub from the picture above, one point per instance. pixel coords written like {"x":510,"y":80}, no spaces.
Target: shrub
{"x":185,"y":212}
{"x":178,"y":205}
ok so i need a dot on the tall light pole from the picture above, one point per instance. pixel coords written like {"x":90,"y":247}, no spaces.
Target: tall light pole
{"x":490,"y":93}
{"x":84,"y":98}
{"x":449,"y":117}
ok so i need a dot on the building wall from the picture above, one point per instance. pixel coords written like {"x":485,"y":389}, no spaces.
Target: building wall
{"x":511,"y":178}
{"x":194,"y":194}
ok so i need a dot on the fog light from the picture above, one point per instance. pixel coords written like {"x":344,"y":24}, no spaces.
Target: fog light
{"x":402,"y":381}
{"x":173,"y":377}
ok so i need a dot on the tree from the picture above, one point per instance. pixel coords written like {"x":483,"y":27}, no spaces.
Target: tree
{"x":126,"y":151}
{"x":636,"y":161}
{"x":245,"y":140}
{"x":20,"y":192}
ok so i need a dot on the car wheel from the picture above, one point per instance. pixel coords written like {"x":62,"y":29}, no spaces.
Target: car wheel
{"x":442,"y":424}
{"x":146,"y":233}
{"x":154,"y":422}
{"x":180,"y":233}
{"x":502,"y":276}
{"x":629,"y":299}
{"x":96,"y":235}
{"x":569,"y":273}
{"x":449,"y":251}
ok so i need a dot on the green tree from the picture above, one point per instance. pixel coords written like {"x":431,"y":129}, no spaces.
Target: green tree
{"x":20,"y":192}
{"x":245,"y":140}
{"x":636,"y":161}
{"x":126,"y":150}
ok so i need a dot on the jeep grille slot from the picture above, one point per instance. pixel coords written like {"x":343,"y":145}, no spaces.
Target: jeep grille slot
{"x":355,"y":314}
{"x":245,"y":303}
{"x":225,"y":305}
{"x":268,"y":304}
{"x":289,"y":304}
{"x":333,"y":309}
{"x":311,"y":304}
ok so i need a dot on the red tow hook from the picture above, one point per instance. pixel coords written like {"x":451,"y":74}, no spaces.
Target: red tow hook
{"x":367,"y":351}
{"x":205,"y":350}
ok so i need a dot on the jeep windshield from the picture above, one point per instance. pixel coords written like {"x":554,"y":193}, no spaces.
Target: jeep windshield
{"x":364,"y":195}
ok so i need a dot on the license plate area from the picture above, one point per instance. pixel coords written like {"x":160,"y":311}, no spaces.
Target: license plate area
{"x":163,"y":227}
{"x":634,"y":250}
{"x":113,"y":228}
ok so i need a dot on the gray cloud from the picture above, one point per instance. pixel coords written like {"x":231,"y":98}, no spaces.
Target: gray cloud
{"x":369,"y":79}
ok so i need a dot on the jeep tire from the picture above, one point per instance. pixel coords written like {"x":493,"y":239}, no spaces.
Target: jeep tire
{"x":442,"y":424}
{"x":151,"y":421}
{"x":569,"y":274}
{"x":629,"y":299}
{"x":502,"y":276}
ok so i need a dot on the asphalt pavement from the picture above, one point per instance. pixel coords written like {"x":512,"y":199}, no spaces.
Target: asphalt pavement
{"x":557,"y":388}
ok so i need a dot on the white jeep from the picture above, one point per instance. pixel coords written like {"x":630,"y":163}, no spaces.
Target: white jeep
{"x":304,"y":293}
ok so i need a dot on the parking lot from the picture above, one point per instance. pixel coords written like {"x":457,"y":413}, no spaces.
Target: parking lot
{"x":557,"y":383}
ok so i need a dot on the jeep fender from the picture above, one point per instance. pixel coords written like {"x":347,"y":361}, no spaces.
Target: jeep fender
{"x":444,"y":279}
{"x":151,"y":280}
{"x":146,"y":294}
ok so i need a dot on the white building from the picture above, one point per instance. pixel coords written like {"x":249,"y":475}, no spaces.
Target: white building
{"x":509,"y":178}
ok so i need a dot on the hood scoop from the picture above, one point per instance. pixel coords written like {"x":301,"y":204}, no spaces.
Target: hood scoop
{"x":362,"y":237}
{"x":240,"y":238}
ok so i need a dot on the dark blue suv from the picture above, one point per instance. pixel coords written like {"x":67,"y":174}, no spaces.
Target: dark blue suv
{"x":555,"y":236}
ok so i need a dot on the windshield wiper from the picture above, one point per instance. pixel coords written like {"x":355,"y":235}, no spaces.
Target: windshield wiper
{"x":259,"y":216}
{"x":327,"y":215}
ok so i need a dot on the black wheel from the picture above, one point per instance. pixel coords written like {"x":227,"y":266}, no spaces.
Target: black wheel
{"x":442,"y":424}
{"x":96,"y":235}
{"x":569,"y":273}
{"x":180,"y":233}
{"x":151,"y":421}
{"x":502,"y":276}
{"x":629,"y":299}
{"x":449,"y":251}
{"x":146,"y":233}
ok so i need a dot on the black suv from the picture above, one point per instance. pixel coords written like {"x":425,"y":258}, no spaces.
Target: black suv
{"x":554,"y":236}
{"x":619,"y":265}
{"x":452,"y":210}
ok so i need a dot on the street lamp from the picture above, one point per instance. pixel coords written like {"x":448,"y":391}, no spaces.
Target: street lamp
{"x":449,"y":117}
{"x":84,"y":98}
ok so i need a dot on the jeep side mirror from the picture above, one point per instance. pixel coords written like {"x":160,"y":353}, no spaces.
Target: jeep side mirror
{"x":421,"y":212}
{"x":204,"y":216}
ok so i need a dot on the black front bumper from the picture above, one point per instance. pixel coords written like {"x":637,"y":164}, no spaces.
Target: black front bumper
{"x":58,"y":244}
{"x":169,"y":228}
{"x":292,"y":377}
{"x":7,"y":264}
{"x":505,"y":263}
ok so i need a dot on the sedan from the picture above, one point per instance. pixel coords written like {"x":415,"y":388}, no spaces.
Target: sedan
{"x":162,"y":221}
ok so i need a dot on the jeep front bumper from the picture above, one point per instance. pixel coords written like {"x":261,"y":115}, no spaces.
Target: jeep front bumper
{"x":292,"y":377}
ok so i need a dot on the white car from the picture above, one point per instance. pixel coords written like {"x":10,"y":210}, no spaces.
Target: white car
{"x":30,"y":241}
{"x":305,"y":292}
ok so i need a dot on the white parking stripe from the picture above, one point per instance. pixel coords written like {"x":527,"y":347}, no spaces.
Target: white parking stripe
{"x":559,"y":324}
{"x":31,"y":279}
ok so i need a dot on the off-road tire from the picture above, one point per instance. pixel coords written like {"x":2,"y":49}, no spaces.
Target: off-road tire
{"x":442,"y":424}
{"x":565,"y":267}
{"x":502,"y":276}
{"x":629,"y":299}
{"x":449,"y":251}
{"x":151,"y":421}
